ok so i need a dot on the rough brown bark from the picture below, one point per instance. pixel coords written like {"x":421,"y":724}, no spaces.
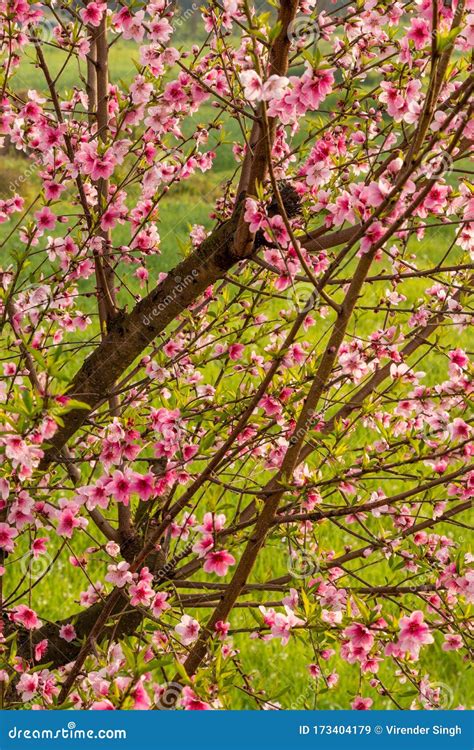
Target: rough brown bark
{"x":129,"y":334}
{"x":265,"y":519}
{"x":60,"y":652}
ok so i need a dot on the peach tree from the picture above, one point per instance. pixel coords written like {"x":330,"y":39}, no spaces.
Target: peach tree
{"x":258,"y":446}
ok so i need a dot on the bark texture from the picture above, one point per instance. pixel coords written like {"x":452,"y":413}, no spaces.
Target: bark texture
{"x":129,"y":334}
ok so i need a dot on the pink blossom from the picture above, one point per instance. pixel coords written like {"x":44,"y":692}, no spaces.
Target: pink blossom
{"x":291,"y":601}
{"x":38,"y":546}
{"x":459,"y":357}
{"x":459,"y":429}
{"x":53,"y":190}
{"x":189,"y":451}
{"x":190,"y":701}
{"x":68,"y":521}
{"x":252,"y":84}
{"x":235,"y":351}
{"x":466,"y":585}
{"x":94,"y":164}
{"x":452,"y":642}
{"x":40,"y":649}
{"x":141,"y":593}
{"x":419,"y":33}
{"x":371,"y":664}
{"x":414,"y":633}
{"x":161,"y":30}
{"x":372,"y":236}
{"x":112,"y":549}
{"x":120,"y":486}
{"x":103,"y":705}
{"x":45,"y":218}
{"x":92,"y":13}
{"x":361,"y":704}
{"x":203,"y":545}
{"x":282,"y":624}
{"x":254,"y":215}
{"x":25,"y":616}
{"x":141,"y":699}
{"x":188,"y":630}
{"x":277,"y":231}
{"x":218,"y":562}
{"x":212,"y":523}
{"x":140,"y":90}
{"x":7,"y":534}
{"x":28,"y":685}
{"x":159,"y":604}
{"x":119,"y":574}
{"x":274,"y":87}
{"x":359,"y":636}
{"x":92,"y":594}
{"x":67,"y":632}
{"x":332,"y":679}
{"x":270,"y":406}
{"x":222,"y":628}
{"x":143,"y":485}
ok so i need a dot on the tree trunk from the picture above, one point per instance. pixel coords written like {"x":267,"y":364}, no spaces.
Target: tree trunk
{"x":129,"y":334}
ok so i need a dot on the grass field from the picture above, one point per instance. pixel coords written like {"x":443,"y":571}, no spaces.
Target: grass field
{"x":283,"y":669}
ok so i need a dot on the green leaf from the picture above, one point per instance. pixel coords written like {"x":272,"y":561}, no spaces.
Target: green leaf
{"x":446,"y":39}
{"x":28,"y":401}
{"x":308,"y":607}
{"x":181,"y":670}
{"x":274,"y":32}
{"x":74,"y":403}
{"x":255,"y":616}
